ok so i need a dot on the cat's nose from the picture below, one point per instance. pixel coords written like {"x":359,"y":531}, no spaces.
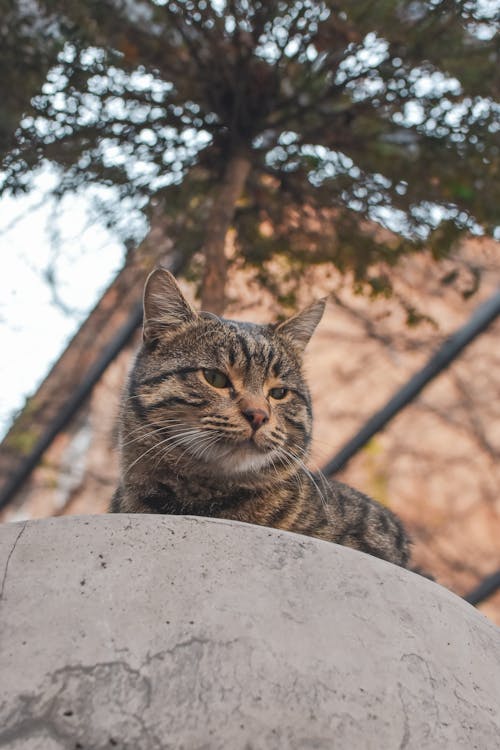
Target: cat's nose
{"x":256,"y":417}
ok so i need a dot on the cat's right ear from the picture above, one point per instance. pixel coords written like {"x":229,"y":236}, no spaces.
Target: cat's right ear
{"x":165,"y":307}
{"x":301,"y":327}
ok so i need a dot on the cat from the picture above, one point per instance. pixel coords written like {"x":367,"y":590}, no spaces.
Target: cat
{"x":216,"y":421}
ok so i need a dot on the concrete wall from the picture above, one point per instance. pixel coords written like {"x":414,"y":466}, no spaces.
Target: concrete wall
{"x":152,"y":632}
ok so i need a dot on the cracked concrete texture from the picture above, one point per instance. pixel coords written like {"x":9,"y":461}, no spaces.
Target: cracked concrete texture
{"x":152,"y":632}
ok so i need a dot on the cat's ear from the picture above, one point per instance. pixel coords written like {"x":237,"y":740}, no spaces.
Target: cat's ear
{"x":165,"y":307}
{"x":301,"y":327}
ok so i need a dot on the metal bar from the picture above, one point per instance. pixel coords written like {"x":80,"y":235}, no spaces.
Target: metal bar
{"x":68,"y":411}
{"x":477,"y":323}
{"x":484,"y":590}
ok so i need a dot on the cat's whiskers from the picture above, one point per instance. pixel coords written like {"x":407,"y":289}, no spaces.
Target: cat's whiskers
{"x":291,"y":467}
{"x":296,"y":475}
{"x":325,"y":481}
{"x":166,"y":452}
{"x":161,"y":424}
{"x":157,"y":446}
{"x":210,"y":444}
{"x":189,"y":439}
{"x":145,"y":436}
{"x":304,"y":468}
{"x":191,"y":445}
{"x":276,"y":481}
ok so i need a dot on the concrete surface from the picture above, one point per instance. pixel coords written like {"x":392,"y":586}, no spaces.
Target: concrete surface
{"x":152,"y":632}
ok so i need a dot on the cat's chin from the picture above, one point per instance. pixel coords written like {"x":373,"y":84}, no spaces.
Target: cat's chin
{"x":247,"y":460}
{"x":240,"y":458}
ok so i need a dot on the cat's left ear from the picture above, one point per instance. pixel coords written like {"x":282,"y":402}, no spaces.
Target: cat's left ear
{"x":165,"y":307}
{"x":301,"y":327}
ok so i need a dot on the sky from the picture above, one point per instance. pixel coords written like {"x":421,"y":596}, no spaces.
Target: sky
{"x":35,"y":327}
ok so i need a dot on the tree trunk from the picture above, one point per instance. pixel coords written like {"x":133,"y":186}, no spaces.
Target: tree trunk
{"x":221,"y":216}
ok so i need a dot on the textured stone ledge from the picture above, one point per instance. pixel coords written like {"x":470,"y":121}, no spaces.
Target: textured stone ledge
{"x":153,"y":632}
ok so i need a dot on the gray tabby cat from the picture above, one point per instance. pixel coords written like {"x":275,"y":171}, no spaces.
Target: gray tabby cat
{"x":217,"y":421}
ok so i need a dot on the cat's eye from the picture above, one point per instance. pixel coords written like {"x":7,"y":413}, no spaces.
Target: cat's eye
{"x":278,"y":393}
{"x":216,"y":378}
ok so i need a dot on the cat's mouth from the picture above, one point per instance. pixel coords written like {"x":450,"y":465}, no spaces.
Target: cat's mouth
{"x":251,"y":442}
{"x":257,"y":444}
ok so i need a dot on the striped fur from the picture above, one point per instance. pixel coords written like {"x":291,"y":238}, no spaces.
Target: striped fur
{"x":187,"y":447}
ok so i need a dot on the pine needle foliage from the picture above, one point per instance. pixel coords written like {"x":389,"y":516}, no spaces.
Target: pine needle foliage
{"x":336,"y":119}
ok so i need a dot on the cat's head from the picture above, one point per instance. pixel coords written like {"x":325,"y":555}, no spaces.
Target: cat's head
{"x":216,"y":392}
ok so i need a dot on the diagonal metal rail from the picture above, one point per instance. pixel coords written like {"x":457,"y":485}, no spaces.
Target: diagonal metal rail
{"x":484,"y":590}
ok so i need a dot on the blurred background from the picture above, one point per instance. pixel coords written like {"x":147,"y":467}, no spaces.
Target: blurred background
{"x":269,"y":153}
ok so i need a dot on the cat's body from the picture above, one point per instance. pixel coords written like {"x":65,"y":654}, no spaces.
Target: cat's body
{"x":217,"y":422}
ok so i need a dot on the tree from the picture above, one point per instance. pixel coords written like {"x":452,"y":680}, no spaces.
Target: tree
{"x":30,"y":40}
{"x":302,"y":125}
